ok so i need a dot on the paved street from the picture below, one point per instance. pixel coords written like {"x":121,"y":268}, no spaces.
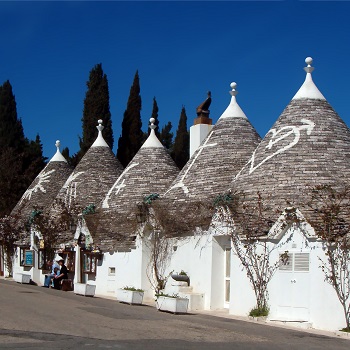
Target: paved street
{"x":38,"y":318}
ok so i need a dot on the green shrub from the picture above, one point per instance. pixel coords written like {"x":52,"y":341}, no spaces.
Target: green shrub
{"x":259,"y":311}
{"x":133,"y":289}
{"x":161,"y":294}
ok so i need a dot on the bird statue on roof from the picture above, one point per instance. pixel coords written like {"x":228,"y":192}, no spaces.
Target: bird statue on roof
{"x":203,"y":108}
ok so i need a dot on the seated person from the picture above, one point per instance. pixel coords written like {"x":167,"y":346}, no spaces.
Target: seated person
{"x":49,"y":277}
{"x":56,"y":273}
{"x":63,"y":274}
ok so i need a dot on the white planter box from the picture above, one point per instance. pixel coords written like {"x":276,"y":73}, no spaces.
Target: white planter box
{"x":129,"y":296}
{"x":175,"y":305}
{"x":84,"y":289}
{"x":22,"y":278}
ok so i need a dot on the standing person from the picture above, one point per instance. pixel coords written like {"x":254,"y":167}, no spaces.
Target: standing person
{"x":63,"y":274}
{"x":49,"y":277}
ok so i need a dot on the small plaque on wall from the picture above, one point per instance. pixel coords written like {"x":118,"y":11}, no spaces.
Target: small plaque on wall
{"x":29,"y":258}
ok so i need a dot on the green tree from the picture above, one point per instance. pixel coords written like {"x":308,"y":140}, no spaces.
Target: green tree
{"x":96,"y":106}
{"x":21,"y":159}
{"x":181,"y":148}
{"x":33,"y":160}
{"x":131,"y":138}
{"x":11,"y":129}
{"x":166,"y":137}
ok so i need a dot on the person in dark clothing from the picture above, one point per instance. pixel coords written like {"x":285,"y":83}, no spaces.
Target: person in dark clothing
{"x":63,"y":275}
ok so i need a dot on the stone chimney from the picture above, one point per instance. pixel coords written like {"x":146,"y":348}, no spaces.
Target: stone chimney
{"x":202,"y":125}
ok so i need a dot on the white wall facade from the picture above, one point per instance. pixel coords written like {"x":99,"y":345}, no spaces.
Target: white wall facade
{"x":296,"y":295}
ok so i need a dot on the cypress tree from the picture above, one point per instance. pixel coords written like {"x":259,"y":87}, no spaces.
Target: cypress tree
{"x":33,"y":160}
{"x":131,"y":138}
{"x":21,"y":159}
{"x":96,"y":106}
{"x":11,"y":129}
{"x":181,"y":148}
{"x":166,"y":137}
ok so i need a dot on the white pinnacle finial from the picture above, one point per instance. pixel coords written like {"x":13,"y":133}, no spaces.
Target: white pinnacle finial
{"x":100,"y":127}
{"x":152,"y":126}
{"x":233,"y":110}
{"x":308,"y":61}
{"x":233,"y":86}
{"x":308,"y":89}
{"x":152,"y":140}
{"x":100,"y":141}
{"x":58,"y":155}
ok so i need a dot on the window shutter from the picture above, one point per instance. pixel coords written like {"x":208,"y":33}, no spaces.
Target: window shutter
{"x":301,"y":262}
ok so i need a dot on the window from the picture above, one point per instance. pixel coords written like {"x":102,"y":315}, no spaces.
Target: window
{"x":21,"y":256}
{"x":42,"y":259}
{"x":297,"y":262}
{"x":89,"y":262}
{"x":111,"y":271}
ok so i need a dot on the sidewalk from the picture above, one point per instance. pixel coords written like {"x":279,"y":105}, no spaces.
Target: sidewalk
{"x":288,"y":325}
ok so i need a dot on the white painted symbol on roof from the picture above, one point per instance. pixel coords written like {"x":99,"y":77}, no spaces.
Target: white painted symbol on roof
{"x":180,"y":184}
{"x":71,"y":188}
{"x":278,"y":136}
{"x":42,"y":178}
{"x":117,"y":186}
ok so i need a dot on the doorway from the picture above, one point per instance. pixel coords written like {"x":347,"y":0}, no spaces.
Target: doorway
{"x":294,"y":284}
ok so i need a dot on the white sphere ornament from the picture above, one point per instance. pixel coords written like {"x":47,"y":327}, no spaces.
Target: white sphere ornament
{"x":308,"y":60}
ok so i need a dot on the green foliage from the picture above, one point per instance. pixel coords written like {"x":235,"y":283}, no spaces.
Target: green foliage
{"x":166,"y":137}
{"x":161,"y":294}
{"x":346,"y":329}
{"x":148,"y":199}
{"x":181,"y":148}
{"x":131,"y":138}
{"x":133,"y":289}
{"x":223,"y":199}
{"x":89,"y":209}
{"x":21,"y":159}
{"x":183,"y":273}
{"x":33,"y":215}
{"x":259,"y":311}
{"x":96,"y":106}
{"x":11,"y":129}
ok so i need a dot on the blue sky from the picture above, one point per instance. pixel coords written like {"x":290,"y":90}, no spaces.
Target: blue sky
{"x":181,"y":50}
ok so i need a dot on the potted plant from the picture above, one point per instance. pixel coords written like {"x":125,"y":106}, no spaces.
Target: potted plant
{"x":171,"y":303}
{"x":181,"y":277}
{"x":130,"y":295}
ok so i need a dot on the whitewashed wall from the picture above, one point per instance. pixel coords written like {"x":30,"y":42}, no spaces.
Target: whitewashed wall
{"x":130,"y":270}
{"x":308,"y":292}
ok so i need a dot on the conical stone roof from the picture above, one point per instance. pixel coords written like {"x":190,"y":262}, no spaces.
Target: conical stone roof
{"x":44,"y":188}
{"x":308,"y":145}
{"x":220,"y":156}
{"x":211,"y":168}
{"x":92,"y":177}
{"x":150,"y":172}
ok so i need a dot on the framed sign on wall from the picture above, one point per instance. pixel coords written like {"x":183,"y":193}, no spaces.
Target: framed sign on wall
{"x":29,"y":258}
